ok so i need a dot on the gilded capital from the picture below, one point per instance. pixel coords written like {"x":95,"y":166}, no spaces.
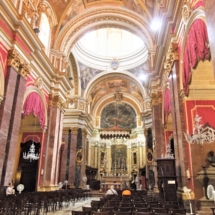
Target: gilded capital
{"x":57,"y":101}
{"x":66,"y":130}
{"x":171,"y":56}
{"x":14,"y":59}
{"x":156,"y":98}
{"x":84,"y":132}
{"x":24,"y":69}
{"x":74,"y":130}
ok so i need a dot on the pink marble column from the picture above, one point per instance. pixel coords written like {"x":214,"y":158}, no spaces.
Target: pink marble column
{"x":180,"y":144}
{"x":64,"y":155}
{"x":72,"y":161}
{"x":53,"y":143}
{"x":10,"y":114}
{"x":84,"y":161}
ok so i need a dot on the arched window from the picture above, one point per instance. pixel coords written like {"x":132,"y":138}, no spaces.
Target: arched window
{"x":45,"y":30}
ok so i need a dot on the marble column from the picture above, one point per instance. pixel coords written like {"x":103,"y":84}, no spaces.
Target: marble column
{"x":54,"y":140}
{"x":10,"y":114}
{"x":158,"y":132}
{"x":84,"y":162}
{"x":73,"y":151}
{"x":65,"y":155}
{"x":180,"y":143}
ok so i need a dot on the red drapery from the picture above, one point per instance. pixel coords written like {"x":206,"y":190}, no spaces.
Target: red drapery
{"x":33,"y":104}
{"x":196,"y":49}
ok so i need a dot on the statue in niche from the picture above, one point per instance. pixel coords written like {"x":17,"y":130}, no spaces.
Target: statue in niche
{"x":211,"y":158}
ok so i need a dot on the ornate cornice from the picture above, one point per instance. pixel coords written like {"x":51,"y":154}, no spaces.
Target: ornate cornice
{"x":44,"y":8}
{"x":16,"y":61}
{"x":75,"y":73}
{"x":57,"y":101}
{"x":156,"y":98}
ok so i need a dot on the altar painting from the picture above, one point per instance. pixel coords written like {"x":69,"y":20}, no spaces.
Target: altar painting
{"x":119,"y":157}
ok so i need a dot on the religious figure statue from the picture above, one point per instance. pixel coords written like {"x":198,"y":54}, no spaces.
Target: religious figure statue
{"x":84,"y":178}
{"x":211,"y":158}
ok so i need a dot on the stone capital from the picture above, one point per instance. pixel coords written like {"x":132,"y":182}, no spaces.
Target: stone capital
{"x":156,"y":98}
{"x":171,"y":56}
{"x":84,"y":132}
{"x":57,"y":101}
{"x":16,"y":61}
{"x":74,"y":130}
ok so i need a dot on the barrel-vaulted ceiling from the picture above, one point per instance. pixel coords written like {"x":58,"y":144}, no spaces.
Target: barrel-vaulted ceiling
{"x":98,"y":81}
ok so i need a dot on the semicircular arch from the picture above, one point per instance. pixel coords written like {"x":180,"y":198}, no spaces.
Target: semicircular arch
{"x":125,"y":75}
{"x":105,"y":17}
{"x":32,"y":89}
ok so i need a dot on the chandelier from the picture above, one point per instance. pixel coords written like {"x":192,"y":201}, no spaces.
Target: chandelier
{"x":201,"y":134}
{"x":31,"y":154}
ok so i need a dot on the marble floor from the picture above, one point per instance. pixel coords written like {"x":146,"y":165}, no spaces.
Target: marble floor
{"x":78,"y":206}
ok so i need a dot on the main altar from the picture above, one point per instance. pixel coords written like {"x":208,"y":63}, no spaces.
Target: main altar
{"x":119,"y":182}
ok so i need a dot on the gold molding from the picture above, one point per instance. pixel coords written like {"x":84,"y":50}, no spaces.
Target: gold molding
{"x":186,"y":10}
{"x":156,"y":98}
{"x":79,"y":157}
{"x":16,"y":61}
{"x":84,"y":132}
{"x":171,"y":56}
{"x":57,"y":101}
{"x":75,"y":73}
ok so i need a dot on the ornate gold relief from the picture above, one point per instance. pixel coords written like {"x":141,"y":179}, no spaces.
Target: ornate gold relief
{"x":43,"y":8}
{"x":81,"y":106}
{"x":118,"y":96}
{"x":39,"y":83}
{"x":18,"y":63}
{"x":75,"y":73}
{"x":171,"y":56}
{"x":186,"y":10}
{"x":24,"y":69}
{"x":74,"y":130}
{"x":79,"y":157}
{"x":84,"y":132}
{"x":14,"y":59}
{"x":57,"y":101}
{"x":156,"y":98}
{"x":149,"y":156}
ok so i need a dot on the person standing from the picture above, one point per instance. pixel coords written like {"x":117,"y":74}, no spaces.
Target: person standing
{"x":10,"y":190}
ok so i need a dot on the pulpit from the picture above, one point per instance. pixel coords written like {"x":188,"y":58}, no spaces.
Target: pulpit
{"x":167,"y":179}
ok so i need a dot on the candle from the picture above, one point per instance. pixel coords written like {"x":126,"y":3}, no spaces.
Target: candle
{"x":191,"y":212}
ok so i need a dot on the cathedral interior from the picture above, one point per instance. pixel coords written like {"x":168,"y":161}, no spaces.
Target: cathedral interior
{"x":109,"y":90}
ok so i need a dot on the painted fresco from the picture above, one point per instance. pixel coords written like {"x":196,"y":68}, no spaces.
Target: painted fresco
{"x":119,"y":157}
{"x":86,"y":74}
{"x":137,"y":71}
{"x":99,"y":87}
{"x":135,"y":91}
{"x":76,"y":8}
{"x":118,"y":115}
